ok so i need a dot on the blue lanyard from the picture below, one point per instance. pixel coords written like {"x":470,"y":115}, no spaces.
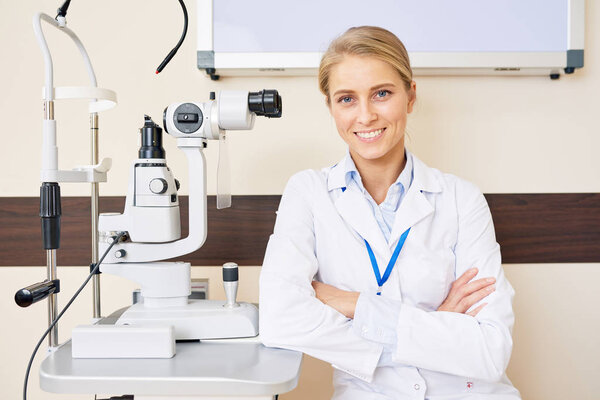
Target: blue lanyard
{"x":390,"y":266}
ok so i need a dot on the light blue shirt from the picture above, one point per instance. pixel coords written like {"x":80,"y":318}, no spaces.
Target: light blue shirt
{"x":386,"y":211}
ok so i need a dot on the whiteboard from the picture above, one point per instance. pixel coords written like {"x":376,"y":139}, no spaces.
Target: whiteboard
{"x":240,"y":37}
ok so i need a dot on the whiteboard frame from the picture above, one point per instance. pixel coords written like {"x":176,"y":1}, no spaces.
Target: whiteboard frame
{"x":553,"y":64}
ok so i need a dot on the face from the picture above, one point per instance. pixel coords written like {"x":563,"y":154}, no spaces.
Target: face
{"x":370,"y":103}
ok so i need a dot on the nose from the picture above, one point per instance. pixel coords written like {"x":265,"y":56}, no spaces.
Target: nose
{"x":366,"y":113}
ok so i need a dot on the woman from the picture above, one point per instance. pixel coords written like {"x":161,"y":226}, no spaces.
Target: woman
{"x":384,"y":267}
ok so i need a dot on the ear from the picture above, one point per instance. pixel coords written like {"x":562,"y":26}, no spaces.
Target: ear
{"x":412,"y":96}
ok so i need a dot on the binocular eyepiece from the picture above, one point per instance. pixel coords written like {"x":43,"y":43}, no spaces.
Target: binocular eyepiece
{"x":265,"y":103}
{"x":151,"y":140}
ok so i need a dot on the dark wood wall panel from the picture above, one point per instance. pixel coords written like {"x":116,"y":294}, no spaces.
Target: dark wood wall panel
{"x":531,"y":228}
{"x":547,"y":228}
{"x":239,"y":233}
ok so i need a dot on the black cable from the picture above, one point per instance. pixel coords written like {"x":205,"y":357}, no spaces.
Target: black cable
{"x":169,"y":56}
{"x":37,"y":346}
{"x":62,"y":10}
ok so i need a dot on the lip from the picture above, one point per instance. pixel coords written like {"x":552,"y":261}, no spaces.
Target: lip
{"x":373,"y":139}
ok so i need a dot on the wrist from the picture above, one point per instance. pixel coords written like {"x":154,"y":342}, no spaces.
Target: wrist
{"x":352,"y":298}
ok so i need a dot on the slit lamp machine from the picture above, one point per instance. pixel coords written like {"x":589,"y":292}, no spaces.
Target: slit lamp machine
{"x":134,"y":244}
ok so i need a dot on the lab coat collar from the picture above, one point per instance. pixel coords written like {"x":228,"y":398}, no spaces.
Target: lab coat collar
{"x":424,"y":177}
{"x":337,"y":174}
{"x":353,"y":207}
{"x":415,"y":206}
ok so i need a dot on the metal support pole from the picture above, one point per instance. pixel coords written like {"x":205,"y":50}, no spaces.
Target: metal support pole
{"x":52,"y":302}
{"x":51,"y":260}
{"x":94,"y":206}
{"x":49,"y":109}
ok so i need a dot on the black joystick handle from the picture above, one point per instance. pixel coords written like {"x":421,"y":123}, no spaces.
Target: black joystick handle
{"x":230,"y":283}
{"x":36,"y":292}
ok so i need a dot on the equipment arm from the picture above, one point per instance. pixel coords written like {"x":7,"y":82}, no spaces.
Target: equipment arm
{"x":49,"y":71}
{"x":143,"y":252}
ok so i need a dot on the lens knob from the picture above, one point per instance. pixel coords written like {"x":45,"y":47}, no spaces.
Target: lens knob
{"x":158,"y":186}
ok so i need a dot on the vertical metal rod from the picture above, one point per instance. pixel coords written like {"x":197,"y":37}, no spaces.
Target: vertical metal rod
{"x":52,"y":302}
{"x":49,"y":109}
{"x":51,"y":259}
{"x":94,"y":206}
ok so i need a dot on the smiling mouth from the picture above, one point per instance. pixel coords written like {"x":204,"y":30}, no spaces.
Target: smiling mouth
{"x":369,"y":134}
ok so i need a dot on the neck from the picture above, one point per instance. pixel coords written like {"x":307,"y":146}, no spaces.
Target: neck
{"x":379,"y":174}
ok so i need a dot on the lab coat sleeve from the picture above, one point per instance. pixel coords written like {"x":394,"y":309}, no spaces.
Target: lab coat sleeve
{"x":477,"y":347}
{"x":291,"y":317}
{"x":376,"y":318}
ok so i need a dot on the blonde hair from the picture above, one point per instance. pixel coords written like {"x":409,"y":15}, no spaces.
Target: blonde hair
{"x":370,"y":41}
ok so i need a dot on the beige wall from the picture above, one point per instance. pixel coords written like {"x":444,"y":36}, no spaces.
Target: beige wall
{"x":508,"y":135}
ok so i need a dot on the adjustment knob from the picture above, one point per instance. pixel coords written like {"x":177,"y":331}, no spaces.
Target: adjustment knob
{"x":230,"y":283}
{"x":158,"y":186}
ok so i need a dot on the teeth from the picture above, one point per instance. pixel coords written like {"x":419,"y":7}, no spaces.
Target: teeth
{"x":367,"y":135}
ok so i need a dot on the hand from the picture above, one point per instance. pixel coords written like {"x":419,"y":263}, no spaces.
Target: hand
{"x":464,"y":294}
{"x":341,"y":300}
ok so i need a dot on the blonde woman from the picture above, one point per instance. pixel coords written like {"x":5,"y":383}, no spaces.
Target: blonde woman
{"x":380,"y":265}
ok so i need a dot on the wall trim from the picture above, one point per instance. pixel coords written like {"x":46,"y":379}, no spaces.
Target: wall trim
{"x":531,"y":228}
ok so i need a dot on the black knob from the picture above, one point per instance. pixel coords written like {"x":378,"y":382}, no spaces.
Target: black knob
{"x":230,"y":272}
{"x":50,"y":212}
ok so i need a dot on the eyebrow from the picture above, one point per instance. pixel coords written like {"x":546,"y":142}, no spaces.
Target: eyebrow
{"x":371,"y":89}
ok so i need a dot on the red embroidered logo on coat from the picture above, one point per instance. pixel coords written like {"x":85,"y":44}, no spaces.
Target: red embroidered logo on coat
{"x":469,"y":385}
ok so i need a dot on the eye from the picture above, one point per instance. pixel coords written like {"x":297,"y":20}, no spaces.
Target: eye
{"x":382,"y":93}
{"x":345,"y":99}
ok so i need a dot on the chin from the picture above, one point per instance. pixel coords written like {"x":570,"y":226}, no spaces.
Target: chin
{"x":373,"y":153}
{"x":369,"y":154}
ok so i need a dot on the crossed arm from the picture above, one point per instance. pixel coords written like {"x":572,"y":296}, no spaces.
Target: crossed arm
{"x":464,"y":293}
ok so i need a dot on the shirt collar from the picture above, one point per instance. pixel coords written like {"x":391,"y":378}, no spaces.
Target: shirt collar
{"x":345,"y":171}
{"x":422,"y":176}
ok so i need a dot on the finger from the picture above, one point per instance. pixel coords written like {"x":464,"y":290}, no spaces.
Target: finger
{"x":464,"y":278}
{"x":467,"y":302}
{"x":474,"y":286}
{"x":475,"y":311}
{"x":454,"y":296}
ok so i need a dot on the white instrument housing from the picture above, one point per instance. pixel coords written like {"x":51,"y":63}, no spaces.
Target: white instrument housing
{"x":229,"y":112}
{"x":151,"y":207}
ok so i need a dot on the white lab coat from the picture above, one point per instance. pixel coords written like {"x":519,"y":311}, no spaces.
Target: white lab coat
{"x":436,"y":355}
